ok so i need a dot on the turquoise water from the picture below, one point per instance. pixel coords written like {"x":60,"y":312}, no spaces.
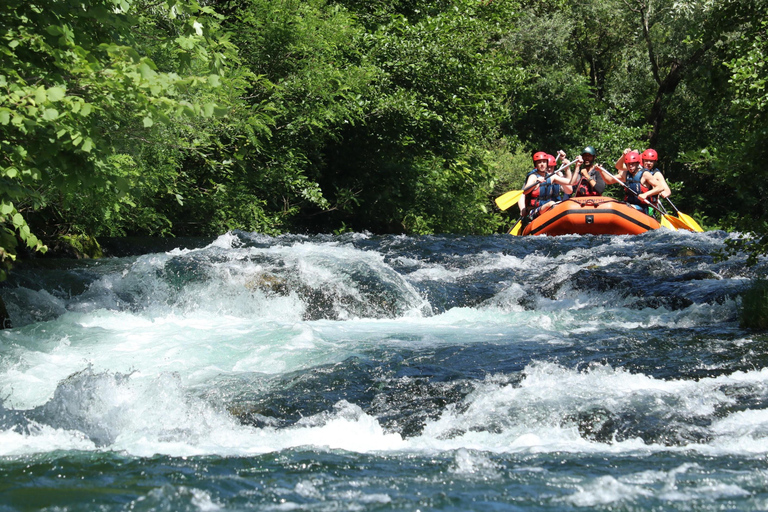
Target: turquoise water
{"x":386,"y":373}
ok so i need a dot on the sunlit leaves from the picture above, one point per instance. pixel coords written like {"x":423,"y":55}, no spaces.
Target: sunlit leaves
{"x":71,"y":99}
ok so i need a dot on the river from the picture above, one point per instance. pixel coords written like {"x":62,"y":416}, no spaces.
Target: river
{"x":361,"y":372}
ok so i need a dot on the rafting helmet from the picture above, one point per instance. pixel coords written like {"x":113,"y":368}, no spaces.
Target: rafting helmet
{"x":633,"y":157}
{"x":539,"y":155}
{"x":589,"y":150}
{"x":551,"y":162}
{"x":650,"y":154}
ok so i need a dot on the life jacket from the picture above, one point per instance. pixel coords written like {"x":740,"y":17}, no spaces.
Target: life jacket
{"x":543,"y":194}
{"x":634,"y":182}
{"x":584,"y":188}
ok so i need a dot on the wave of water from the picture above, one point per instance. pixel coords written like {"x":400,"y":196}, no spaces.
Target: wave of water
{"x":483,"y":352}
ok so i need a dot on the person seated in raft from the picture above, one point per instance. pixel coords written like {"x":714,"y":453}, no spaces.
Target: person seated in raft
{"x":645,"y":186}
{"x":542,"y":187}
{"x":650,"y":158}
{"x":587,"y":180}
{"x":552,"y":168}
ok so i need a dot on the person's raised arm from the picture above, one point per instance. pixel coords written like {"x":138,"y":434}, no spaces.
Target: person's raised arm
{"x":652,"y":182}
{"x":620,"y":165}
{"x":667,"y":191}
{"x":577,"y":171}
{"x":609,"y":178}
{"x":567,"y":164}
{"x":564,"y":182}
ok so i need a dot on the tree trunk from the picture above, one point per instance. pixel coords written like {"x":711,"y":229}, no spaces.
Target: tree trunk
{"x":667,"y":87}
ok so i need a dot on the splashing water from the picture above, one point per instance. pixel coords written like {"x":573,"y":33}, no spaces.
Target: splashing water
{"x":360,"y":372}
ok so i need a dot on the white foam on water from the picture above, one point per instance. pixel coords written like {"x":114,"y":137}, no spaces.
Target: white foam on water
{"x":197,"y":347}
{"x":607,"y":491}
{"x":179,"y":497}
{"x":120,"y":370}
{"x":144,"y":415}
{"x":42,"y":439}
{"x":472,"y":464}
{"x":542,"y":413}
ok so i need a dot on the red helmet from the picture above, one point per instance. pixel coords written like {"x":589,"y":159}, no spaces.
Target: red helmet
{"x":633,"y":157}
{"x":551,"y":162}
{"x":650,"y":154}
{"x":539,"y":155}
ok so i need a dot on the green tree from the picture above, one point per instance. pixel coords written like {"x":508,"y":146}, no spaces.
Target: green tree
{"x":88,"y":105}
{"x":420,"y":160}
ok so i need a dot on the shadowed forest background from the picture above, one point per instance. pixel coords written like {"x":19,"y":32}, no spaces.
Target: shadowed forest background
{"x":165,"y":117}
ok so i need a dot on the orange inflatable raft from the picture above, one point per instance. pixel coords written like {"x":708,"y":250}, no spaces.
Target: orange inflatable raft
{"x":594,"y":215}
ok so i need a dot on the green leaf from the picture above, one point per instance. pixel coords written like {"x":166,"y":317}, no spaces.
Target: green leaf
{"x":50,"y":114}
{"x":146,"y":71}
{"x":186,"y":43}
{"x":87,"y":145}
{"x":56,"y":93}
{"x":6,"y":208}
{"x":148,"y":122}
{"x":32,"y":241}
{"x":18,"y":220}
{"x":5,"y":116}
{"x":40,"y":95}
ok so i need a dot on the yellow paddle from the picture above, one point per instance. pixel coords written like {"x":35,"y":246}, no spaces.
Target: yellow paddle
{"x":505,"y":201}
{"x":669,"y":221}
{"x":674,"y":222}
{"x":516,"y":228}
{"x":686,"y":219}
{"x":666,"y":224}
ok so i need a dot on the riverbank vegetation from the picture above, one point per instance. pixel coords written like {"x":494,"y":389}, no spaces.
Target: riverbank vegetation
{"x":188,"y":117}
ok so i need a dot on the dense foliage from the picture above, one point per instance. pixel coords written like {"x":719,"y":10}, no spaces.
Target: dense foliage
{"x":192,"y":117}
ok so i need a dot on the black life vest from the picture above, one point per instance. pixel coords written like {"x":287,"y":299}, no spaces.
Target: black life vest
{"x":584,"y":188}
{"x":634,"y":182}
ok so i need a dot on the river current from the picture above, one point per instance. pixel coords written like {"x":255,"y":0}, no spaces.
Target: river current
{"x":359,"y":372}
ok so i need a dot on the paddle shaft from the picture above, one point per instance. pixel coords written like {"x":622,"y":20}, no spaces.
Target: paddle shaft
{"x":627,"y":187}
{"x":673,"y":205}
{"x":528,"y":189}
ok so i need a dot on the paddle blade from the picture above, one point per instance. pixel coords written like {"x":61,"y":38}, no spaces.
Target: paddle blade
{"x":516,"y":228}
{"x":505,"y":201}
{"x":678,"y":223}
{"x":667,"y":223}
{"x":690,"y":222}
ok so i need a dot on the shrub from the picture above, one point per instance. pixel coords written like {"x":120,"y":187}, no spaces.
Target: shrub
{"x":754,"y":306}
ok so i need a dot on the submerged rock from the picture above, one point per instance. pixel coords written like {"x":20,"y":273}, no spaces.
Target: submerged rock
{"x":5,"y":320}
{"x":597,"y":424}
{"x":672,"y":303}
{"x":269,"y":283}
{"x":73,"y":247}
